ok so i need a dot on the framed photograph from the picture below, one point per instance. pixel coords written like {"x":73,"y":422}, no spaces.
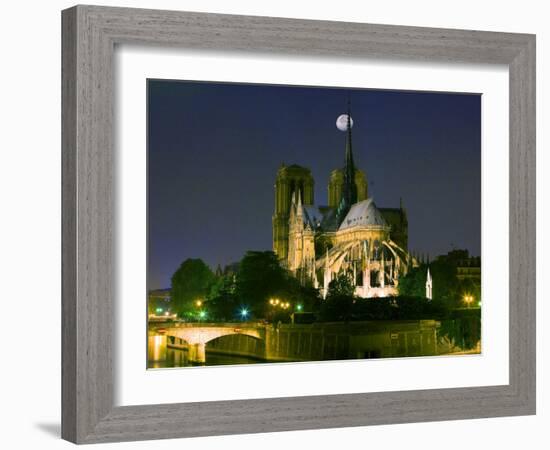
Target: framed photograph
{"x":278,"y":224}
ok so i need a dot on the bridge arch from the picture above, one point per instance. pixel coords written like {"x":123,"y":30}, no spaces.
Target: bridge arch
{"x":240,"y":345}
{"x":198,"y":336}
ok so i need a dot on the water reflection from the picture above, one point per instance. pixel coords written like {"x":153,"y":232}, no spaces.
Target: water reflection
{"x":156,"y":348}
{"x":455,"y":336}
{"x":463,"y":333}
{"x":162,"y":356}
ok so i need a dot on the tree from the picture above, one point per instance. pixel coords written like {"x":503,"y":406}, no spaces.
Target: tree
{"x":339,"y":303}
{"x":222,"y":303}
{"x":414,"y":283}
{"x":259,"y":277}
{"x":341,"y":286}
{"x":463,"y":328}
{"x":192,"y":281}
{"x":415,"y":308}
{"x":446,"y":286}
{"x":222,"y":286}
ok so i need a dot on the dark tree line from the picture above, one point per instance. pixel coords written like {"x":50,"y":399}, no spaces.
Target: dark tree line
{"x":447,"y":288}
{"x":247,"y":291}
{"x":342,"y":305}
{"x":240,"y":295}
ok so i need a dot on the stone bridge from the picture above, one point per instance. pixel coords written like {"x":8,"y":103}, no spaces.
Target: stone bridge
{"x":198,"y":334}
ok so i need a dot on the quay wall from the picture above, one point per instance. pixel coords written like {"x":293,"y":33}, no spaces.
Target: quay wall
{"x":334,"y":341}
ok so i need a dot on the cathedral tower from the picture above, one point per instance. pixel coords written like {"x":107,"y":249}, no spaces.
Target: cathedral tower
{"x":290,"y":179}
{"x":336,"y":184}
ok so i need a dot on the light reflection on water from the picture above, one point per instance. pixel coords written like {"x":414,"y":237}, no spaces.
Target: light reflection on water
{"x":162,"y":356}
{"x":455,"y":337}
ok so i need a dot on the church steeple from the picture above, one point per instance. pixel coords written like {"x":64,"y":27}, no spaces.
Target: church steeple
{"x":349,"y":188}
{"x":429,"y":285}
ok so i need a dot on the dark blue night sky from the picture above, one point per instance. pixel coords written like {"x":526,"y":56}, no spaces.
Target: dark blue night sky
{"x":214,"y":150}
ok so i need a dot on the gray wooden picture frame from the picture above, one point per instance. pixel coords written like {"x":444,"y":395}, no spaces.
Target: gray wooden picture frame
{"x":90,"y":34}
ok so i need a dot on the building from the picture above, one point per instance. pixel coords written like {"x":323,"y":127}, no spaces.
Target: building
{"x":159,"y":301}
{"x":469,"y":269}
{"x":290,"y":179}
{"x":350,"y":235}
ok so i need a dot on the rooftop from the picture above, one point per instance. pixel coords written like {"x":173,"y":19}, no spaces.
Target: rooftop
{"x":364,"y":214}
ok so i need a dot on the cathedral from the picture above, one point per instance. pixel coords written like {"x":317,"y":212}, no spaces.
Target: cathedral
{"x":350,"y":236}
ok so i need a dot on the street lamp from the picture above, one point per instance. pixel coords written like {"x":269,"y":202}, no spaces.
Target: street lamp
{"x":244,"y":313}
{"x":468,"y":299}
{"x":198,"y":303}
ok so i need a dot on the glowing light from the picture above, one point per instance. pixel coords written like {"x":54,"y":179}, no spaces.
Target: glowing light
{"x":299,"y":307}
{"x":159,"y":310}
{"x":244,"y":313}
{"x":468,"y":299}
{"x":202,"y":314}
{"x":198,"y":303}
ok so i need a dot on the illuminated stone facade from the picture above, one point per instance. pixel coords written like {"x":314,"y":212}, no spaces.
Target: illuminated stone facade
{"x":336,"y":186}
{"x":290,"y":179}
{"x":350,"y":236}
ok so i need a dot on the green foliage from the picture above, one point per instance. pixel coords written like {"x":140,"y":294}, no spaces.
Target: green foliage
{"x":463,"y":328}
{"x":309,"y":298}
{"x":419,"y":308}
{"x":222,"y":286}
{"x":414,"y":283}
{"x":446,"y":286}
{"x":340,"y":300}
{"x":222,"y":304}
{"x":193,"y":280}
{"x":341,"y":286}
{"x":259,"y":277}
{"x":337,"y":308}
{"x":223,"y":308}
{"x":346,"y":308}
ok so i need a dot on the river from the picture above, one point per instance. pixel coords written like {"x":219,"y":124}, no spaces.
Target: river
{"x":178,"y":358}
{"x":354,"y":340}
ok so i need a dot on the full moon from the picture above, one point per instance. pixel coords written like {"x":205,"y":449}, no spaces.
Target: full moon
{"x":342,"y":122}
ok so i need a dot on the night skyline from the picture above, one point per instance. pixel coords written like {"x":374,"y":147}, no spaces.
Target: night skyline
{"x":214,"y":150}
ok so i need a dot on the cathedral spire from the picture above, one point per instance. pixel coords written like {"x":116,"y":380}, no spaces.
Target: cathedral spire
{"x":429,"y":285}
{"x":349,"y":189}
